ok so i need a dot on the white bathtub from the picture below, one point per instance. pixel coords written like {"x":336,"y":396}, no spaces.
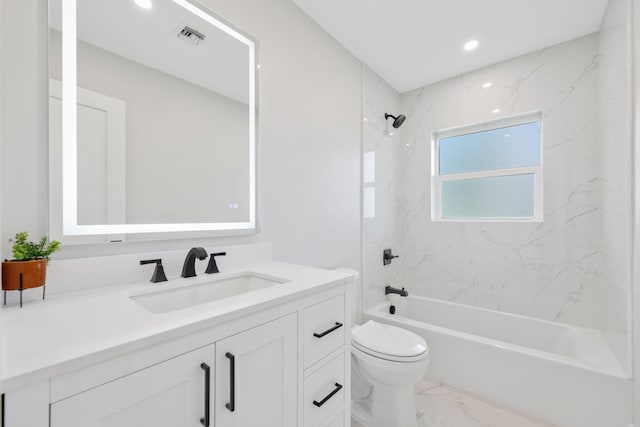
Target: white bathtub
{"x":562,"y":374}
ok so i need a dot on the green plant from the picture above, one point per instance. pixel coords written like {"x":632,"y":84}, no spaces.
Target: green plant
{"x":24,"y":250}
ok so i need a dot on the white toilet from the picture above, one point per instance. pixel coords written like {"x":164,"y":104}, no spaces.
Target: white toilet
{"x":386,"y":362}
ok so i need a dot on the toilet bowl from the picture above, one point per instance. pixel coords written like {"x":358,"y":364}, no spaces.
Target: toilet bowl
{"x":386,"y":362}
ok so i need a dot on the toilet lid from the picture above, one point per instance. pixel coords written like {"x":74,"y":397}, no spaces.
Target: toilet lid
{"x":389,"y":340}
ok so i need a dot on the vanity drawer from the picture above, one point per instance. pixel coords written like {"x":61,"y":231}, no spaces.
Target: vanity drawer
{"x":324,"y":392}
{"x":323,"y":329}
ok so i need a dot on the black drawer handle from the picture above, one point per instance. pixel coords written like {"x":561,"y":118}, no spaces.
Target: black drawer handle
{"x":207,"y":394}
{"x":231,"y":406}
{"x":328,"y":331}
{"x":329,"y":396}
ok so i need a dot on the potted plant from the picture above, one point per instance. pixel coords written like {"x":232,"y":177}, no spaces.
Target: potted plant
{"x":28,"y":269}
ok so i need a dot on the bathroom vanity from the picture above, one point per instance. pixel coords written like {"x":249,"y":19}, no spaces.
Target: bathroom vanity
{"x":271,"y":350}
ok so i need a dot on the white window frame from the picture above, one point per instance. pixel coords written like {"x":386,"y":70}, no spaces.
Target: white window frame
{"x":437,"y":179}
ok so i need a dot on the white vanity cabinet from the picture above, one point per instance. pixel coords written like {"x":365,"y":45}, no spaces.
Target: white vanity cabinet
{"x":169,"y":394}
{"x":255,"y":382}
{"x":277,"y":366}
{"x":254,"y":386}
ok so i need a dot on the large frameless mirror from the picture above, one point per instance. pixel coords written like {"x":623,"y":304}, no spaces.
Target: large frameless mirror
{"x":152,"y":121}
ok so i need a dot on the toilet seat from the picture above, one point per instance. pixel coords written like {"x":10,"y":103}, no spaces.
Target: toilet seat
{"x":390,"y":358}
{"x":389,"y":342}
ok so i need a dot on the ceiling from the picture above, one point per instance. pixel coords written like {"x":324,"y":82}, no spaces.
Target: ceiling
{"x":413,"y":43}
{"x":149,"y":37}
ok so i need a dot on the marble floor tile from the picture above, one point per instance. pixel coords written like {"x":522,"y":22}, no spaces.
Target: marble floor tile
{"x":444,"y":406}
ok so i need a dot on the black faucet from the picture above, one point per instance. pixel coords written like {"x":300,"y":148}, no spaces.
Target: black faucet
{"x":388,"y":256}
{"x":158,"y":272}
{"x":213,"y":267}
{"x":390,"y":290}
{"x":189,"y":267}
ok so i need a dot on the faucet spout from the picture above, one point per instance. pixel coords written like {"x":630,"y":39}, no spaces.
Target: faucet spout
{"x":189,"y":267}
{"x":391,"y":290}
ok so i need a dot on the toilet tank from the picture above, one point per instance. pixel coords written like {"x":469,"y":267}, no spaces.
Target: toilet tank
{"x":355,"y":294}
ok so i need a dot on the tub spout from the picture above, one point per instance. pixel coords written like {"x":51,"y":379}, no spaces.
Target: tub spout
{"x":391,"y":290}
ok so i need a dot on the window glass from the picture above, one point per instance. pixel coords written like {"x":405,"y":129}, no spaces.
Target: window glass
{"x":507,"y":147}
{"x":509,"y":196}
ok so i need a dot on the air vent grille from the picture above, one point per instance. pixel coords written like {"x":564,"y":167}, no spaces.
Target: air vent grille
{"x":194,"y":37}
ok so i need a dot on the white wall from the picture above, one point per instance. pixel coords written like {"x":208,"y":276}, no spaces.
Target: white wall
{"x":2,"y":82}
{"x":24,"y":114}
{"x":634,"y":14}
{"x":309,"y":135}
{"x":2,"y":89}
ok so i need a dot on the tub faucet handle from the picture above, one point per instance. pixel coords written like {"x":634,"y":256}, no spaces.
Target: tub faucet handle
{"x":388,"y":256}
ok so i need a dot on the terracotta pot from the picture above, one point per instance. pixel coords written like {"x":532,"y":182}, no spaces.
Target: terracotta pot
{"x":34,"y":274}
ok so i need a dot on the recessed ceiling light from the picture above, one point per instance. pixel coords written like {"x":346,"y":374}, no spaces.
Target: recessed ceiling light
{"x":495,"y":110}
{"x":487,"y":85}
{"x":507,"y":135}
{"x":145,"y":4}
{"x":471,"y":45}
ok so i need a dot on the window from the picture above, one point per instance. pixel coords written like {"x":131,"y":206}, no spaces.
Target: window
{"x":489,"y":172}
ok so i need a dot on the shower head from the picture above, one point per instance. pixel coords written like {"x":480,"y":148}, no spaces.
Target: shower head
{"x":397,"y":121}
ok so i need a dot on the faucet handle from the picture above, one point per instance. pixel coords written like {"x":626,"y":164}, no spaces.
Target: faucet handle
{"x":388,"y":256}
{"x":158,"y":272}
{"x":212,"y":267}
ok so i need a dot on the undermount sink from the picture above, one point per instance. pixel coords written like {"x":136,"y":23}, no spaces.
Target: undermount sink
{"x":177,"y":298}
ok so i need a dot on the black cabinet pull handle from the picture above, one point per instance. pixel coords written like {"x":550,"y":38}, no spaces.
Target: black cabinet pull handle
{"x":207,"y":394}
{"x":231,"y":406}
{"x":328,"y":331}
{"x":328,"y":396}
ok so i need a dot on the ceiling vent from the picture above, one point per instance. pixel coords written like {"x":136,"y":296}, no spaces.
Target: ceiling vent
{"x":192,"y":36}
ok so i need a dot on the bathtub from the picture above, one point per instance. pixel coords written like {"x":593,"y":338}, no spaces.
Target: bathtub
{"x":559,"y":373}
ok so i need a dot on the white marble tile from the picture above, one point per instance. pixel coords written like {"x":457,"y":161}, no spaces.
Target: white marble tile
{"x":380,"y":230}
{"x":614,"y":138}
{"x":547,"y":270}
{"x":444,"y":406}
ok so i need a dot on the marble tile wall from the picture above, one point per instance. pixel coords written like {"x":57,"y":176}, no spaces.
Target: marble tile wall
{"x":614,"y":135}
{"x":382,"y":156}
{"x":549,"y":270}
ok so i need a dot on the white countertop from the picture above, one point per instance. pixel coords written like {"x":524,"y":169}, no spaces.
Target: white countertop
{"x":74,"y":330}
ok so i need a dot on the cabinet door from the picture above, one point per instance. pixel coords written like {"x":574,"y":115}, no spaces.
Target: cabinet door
{"x":256,"y":376}
{"x":168,"y":394}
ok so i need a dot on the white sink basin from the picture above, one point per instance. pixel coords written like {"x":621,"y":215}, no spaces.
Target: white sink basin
{"x":177,"y":298}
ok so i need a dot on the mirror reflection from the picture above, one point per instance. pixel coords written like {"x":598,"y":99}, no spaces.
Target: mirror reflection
{"x":164,"y":118}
